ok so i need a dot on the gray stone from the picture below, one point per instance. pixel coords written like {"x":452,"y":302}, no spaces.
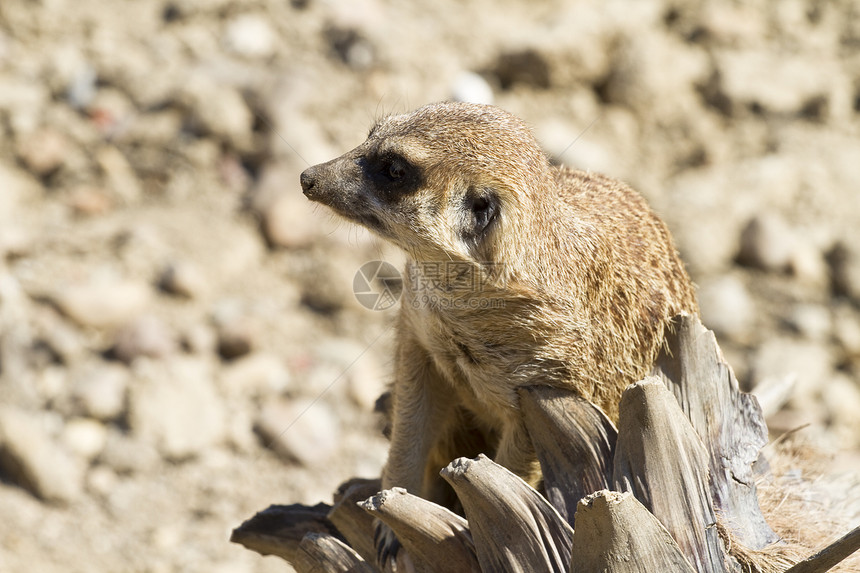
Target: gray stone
{"x":120,"y":177}
{"x":219,"y":110}
{"x":811,"y":320}
{"x":99,"y":391}
{"x":767,"y":243}
{"x":841,"y":397}
{"x":17,"y":187}
{"x":810,"y":362}
{"x":184,"y":279}
{"x":304,"y":431}
{"x":773,"y":81}
{"x":846,"y":328}
{"x":144,"y":336}
{"x":844,"y":262}
{"x":366,"y":381}
{"x":289,"y":220}
{"x":809,"y":266}
{"x":258,"y":374}
{"x":31,"y":457}
{"x":236,"y":338}
{"x":43,"y":151}
{"x":174,"y":406}
{"x":126,"y":454}
{"x":727,"y":307}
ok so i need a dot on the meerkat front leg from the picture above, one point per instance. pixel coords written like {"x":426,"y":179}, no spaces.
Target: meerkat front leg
{"x":517,"y":453}
{"x":421,"y":415}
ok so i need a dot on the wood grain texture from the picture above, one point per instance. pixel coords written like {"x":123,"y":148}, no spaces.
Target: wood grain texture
{"x":729,"y":422}
{"x":513,"y":526}
{"x":353,"y":522}
{"x":574,"y":441}
{"x":660,"y":459}
{"x":616,"y":534}
{"x":433,"y":536}
{"x":324,"y":553}
{"x":279,"y":529}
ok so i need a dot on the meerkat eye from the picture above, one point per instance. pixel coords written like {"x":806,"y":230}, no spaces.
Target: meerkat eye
{"x":396,"y":170}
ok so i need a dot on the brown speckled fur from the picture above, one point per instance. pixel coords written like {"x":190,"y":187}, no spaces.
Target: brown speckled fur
{"x":581,"y":274}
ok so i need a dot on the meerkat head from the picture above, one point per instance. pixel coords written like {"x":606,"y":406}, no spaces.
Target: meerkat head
{"x":447,"y":181}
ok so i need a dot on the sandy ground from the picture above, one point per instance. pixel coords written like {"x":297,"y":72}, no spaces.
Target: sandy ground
{"x":180,"y":345}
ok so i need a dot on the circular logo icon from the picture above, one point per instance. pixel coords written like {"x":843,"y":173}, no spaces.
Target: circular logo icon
{"x":377,"y":285}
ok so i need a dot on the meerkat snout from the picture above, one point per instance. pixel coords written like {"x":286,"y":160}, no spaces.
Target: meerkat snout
{"x":307,"y":180}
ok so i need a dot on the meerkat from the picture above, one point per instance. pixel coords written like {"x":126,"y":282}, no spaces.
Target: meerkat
{"x":519,"y":273}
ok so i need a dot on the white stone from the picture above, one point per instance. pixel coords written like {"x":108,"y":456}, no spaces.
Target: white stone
{"x":99,"y":391}
{"x":471,"y":87}
{"x":85,"y":436}
{"x":105,"y":303}
{"x":251,"y":36}
{"x":258,"y":374}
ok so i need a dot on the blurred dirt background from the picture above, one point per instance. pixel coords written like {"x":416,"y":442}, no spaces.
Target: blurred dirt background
{"x":179,"y":341}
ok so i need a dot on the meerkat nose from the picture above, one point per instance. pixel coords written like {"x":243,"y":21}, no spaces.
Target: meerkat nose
{"x":308,"y":180}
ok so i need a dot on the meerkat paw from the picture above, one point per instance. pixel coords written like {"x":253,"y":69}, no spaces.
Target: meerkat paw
{"x":387,"y":545}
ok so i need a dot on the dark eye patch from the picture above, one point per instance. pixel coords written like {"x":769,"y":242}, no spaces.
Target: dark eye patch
{"x":390,"y":173}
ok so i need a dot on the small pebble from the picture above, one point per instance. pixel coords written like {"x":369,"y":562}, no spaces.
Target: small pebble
{"x":85,"y":437}
{"x":126,"y":454}
{"x":236,"y":338}
{"x":144,"y":336}
{"x":43,"y":151}
{"x":766,"y":243}
{"x":256,"y":374}
{"x":100,"y":391}
{"x":727,"y":307}
{"x":251,"y":36}
{"x":31,"y":457}
{"x":471,"y":87}
{"x":811,"y":320}
{"x":304,"y":431}
{"x":184,"y":279}
{"x":102,"y":304}
{"x":289,"y":221}
{"x":173,"y":405}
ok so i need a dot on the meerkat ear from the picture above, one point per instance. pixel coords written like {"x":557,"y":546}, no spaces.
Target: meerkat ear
{"x":483,"y":206}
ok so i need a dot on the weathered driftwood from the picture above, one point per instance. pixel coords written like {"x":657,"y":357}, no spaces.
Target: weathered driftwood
{"x":616,"y":534}
{"x":658,"y":456}
{"x":324,"y":553}
{"x":279,"y":529}
{"x":426,"y":531}
{"x":513,"y":526}
{"x":574,"y":441}
{"x":831,"y":555}
{"x":686,"y":456}
{"x":727,"y":420}
{"x":355,"y":524}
